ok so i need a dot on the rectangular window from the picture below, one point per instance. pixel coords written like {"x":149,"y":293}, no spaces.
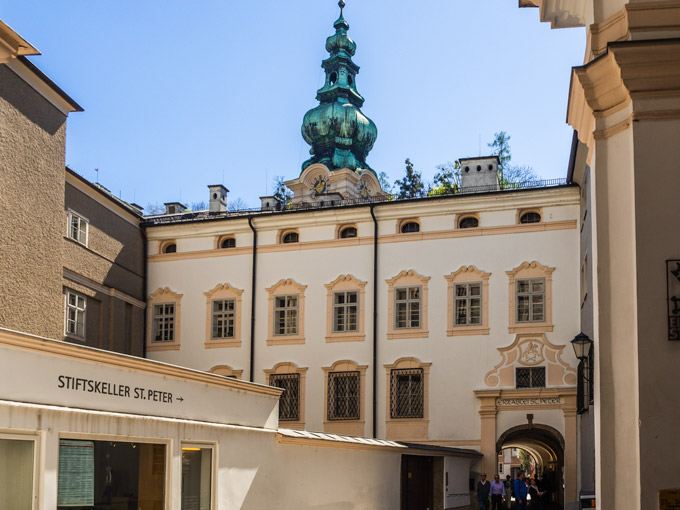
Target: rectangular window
{"x":77,"y":228}
{"x":533,"y":377}
{"x":16,"y":473}
{"x":164,"y":322}
{"x":468,"y":307}
{"x":343,"y":395}
{"x":345,"y":311}
{"x":407,"y":307}
{"x":530,"y":296}
{"x":223,"y":318}
{"x":289,"y":403}
{"x":196,"y":477}
{"x":286,"y":315}
{"x":110,"y":474}
{"x":75,"y":314}
{"x":407,"y":393}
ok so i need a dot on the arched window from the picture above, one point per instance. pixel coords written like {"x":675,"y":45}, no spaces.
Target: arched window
{"x":228,"y":242}
{"x":468,"y":222}
{"x":348,"y":232}
{"x":530,"y":217}
{"x":169,"y":247}
{"x":290,"y":237}
{"x":410,"y":226}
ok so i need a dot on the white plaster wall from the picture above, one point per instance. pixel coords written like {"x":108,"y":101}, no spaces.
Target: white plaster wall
{"x":459,"y":363}
{"x":254,"y":471}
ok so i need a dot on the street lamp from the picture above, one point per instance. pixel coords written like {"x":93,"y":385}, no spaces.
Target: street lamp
{"x":582,"y":345}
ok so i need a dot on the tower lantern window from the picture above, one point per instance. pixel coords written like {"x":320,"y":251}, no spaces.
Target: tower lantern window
{"x":333,"y":78}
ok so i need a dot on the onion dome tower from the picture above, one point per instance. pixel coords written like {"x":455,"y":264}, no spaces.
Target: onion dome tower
{"x":340,"y":135}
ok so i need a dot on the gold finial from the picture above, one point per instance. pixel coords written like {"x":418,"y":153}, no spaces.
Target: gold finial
{"x":341,"y":3}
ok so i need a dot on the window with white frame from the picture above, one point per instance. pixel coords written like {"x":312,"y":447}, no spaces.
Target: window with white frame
{"x":223,"y":318}
{"x":407,"y":393}
{"x":77,"y":228}
{"x":164,"y":322}
{"x":530,"y":299}
{"x":344,"y":395}
{"x":345,"y":311}
{"x":468,"y":303}
{"x":75,"y":314}
{"x":407,"y":306}
{"x":17,"y":456}
{"x":286,"y":315}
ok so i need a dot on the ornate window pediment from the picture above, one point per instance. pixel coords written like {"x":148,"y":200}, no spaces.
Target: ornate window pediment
{"x":531,"y":351}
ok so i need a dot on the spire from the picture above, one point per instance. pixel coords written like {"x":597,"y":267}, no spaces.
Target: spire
{"x":340,"y":135}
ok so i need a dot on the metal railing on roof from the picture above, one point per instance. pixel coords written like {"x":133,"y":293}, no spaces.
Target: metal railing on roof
{"x":330,"y":203}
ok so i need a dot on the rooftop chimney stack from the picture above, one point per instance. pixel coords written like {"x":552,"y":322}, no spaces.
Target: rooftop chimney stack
{"x":479,"y":174}
{"x":174,"y":208}
{"x":218,"y":198}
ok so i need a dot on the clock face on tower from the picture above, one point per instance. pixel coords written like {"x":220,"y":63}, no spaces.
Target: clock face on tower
{"x":320,"y":186}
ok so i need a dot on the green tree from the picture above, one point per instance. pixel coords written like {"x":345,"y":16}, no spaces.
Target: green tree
{"x":525,"y":460}
{"x":510,"y":176}
{"x":281,"y":192}
{"x":446,"y":180}
{"x":385,"y":184}
{"x":411,"y":186}
{"x":237,"y":204}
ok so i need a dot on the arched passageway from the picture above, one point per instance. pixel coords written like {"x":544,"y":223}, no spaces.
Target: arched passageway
{"x":546,"y":446}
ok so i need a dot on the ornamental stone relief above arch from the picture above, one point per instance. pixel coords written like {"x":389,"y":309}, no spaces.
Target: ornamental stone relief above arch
{"x":528,"y":351}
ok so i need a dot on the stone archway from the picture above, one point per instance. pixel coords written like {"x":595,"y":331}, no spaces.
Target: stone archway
{"x":546,"y":445}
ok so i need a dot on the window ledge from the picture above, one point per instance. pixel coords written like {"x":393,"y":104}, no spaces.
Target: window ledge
{"x":74,"y":338}
{"x":162,"y":347}
{"x":538,"y":327}
{"x":416,"y":333}
{"x":286,"y":340}
{"x":345,"y":337}
{"x":467,"y":331}
{"x":226,"y":342}
{"x":297,"y":425}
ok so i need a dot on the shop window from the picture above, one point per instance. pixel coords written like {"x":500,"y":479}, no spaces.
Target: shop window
{"x":77,"y":228}
{"x":17,"y":472}
{"x":75,"y":314}
{"x":197,"y":464}
{"x":103,"y":475}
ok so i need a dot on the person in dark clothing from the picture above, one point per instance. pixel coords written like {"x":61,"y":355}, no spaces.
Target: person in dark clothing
{"x":520,"y":490}
{"x":483,"y":489}
{"x":536,"y":495}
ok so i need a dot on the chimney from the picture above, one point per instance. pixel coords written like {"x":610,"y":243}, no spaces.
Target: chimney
{"x":270,"y":203}
{"x":479,"y":174}
{"x":174,"y":208}
{"x":218,"y":198}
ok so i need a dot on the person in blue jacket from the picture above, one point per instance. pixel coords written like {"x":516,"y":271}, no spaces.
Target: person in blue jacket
{"x":521,"y":491}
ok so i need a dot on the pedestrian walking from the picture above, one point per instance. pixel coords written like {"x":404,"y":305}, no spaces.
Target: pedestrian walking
{"x":483,"y":490}
{"x":497,"y":493}
{"x":508,"y":492}
{"x":521,"y":491}
{"x":536,"y":495}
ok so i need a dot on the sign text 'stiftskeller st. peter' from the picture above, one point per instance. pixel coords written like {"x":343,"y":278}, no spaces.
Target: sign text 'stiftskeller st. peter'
{"x":68,"y":382}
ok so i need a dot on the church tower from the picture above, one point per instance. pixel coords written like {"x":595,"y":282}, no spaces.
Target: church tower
{"x":341,"y":136}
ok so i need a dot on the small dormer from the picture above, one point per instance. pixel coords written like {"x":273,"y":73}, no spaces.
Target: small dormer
{"x":479,"y":174}
{"x":174,"y":208}
{"x":218,"y":198}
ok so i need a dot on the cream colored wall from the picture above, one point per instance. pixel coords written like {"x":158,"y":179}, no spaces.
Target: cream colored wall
{"x":458,"y":363}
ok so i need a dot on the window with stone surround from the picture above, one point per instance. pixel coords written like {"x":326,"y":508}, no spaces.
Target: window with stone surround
{"x":468,"y":302}
{"x":286,"y":313}
{"x":530,"y":298}
{"x":407,"y":305}
{"x":345,"y":309}
{"x":223,"y":316}
{"x":163,"y":322}
{"x":407,"y":399}
{"x":291,"y":379}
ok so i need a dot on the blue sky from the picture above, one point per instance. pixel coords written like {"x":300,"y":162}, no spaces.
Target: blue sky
{"x":179,"y":94}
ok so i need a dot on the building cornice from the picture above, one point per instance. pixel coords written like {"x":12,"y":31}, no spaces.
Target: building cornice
{"x":12,"y":45}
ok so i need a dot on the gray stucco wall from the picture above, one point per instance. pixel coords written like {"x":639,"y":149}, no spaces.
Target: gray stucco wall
{"x":32,"y":151}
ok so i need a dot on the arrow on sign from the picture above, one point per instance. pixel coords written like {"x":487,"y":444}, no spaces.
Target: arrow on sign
{"x":180,"y":399}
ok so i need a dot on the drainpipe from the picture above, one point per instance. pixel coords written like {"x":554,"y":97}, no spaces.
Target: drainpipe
{"x":375,"y":321}
{"x":252,"y":301}
{"x":145,"y":289}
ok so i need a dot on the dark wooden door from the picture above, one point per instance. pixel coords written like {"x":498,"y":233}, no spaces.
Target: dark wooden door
{"x":416,"y":483}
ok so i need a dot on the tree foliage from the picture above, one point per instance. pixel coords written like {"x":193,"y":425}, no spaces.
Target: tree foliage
{"x":153,"y":208}
{"x":525,"y":460}
{"x":237,"y":204}
{"x":281,"y":192}
{"x":411,"y":186}
{"x":509,"y":175}
{"x":385,"y":183}
{"x":446,"y":180}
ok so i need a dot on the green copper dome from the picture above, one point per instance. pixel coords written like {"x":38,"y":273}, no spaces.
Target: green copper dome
{"x":340,"y":135}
